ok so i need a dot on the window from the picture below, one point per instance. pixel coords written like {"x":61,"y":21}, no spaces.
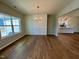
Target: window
{"x":16,"y":24}
{"x":5,"y":25}
{"x":9,"y":25}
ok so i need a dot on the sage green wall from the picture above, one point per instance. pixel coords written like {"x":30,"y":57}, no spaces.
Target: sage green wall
{"x":36,"y":26}
{"x":51,"y":24}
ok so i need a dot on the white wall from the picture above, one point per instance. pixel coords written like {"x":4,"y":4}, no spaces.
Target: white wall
{"x":72,"y":6}
{"x":74,"y":23}
{"x":36,"y":26}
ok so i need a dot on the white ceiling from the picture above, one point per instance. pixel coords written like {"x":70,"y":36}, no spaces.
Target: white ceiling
{"x":45,"y":6}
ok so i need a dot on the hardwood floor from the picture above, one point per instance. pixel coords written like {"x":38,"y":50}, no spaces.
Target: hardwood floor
{"x":65,"y":46}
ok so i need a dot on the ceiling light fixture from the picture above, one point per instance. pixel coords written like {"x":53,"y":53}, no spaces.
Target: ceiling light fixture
{"x":39,"y":17}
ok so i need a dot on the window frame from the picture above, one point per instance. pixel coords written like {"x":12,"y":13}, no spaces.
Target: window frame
{"x":12,"y":26}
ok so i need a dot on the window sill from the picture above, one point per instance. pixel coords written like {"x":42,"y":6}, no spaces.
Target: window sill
{"x":10,"y":35}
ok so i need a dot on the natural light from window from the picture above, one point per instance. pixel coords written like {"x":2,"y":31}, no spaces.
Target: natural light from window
{"x":9,"y":25}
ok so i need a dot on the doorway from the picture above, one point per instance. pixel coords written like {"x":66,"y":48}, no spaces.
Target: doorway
{"x":64,"y":25}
